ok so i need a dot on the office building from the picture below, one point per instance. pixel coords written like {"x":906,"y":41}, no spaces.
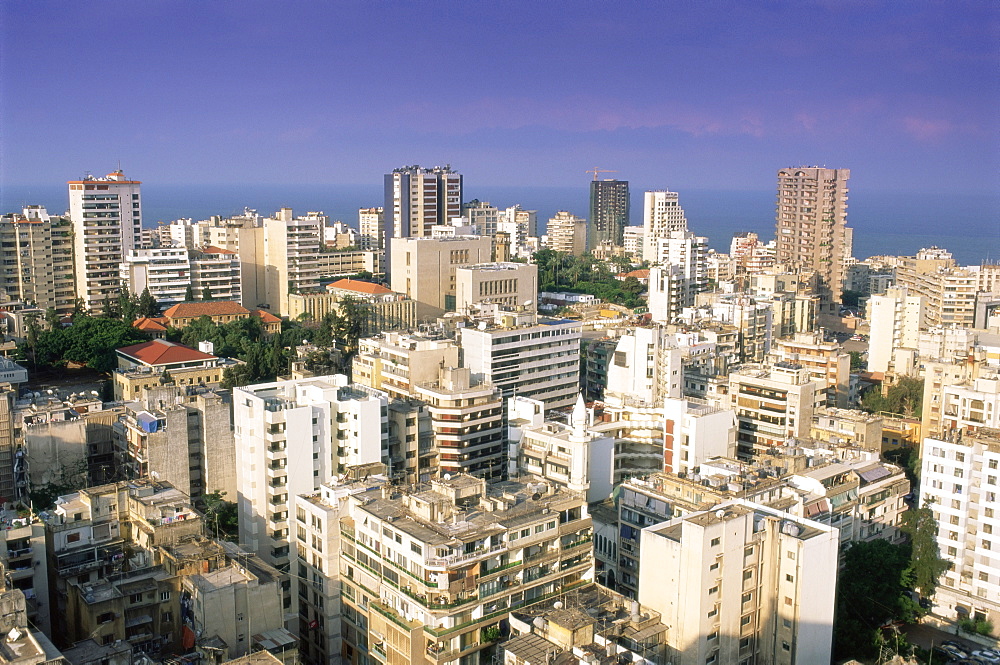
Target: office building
{"x":567,"y":233}
{"x":522,"y":354}
{"x":106,"y":214}
{"x":609,"y":213}
{"x":487,"y":286}
{"x":742,"y":583}
{"x":811,"y":228}
{"x":37,"y":254}
{"x":424,"y":269}
{"x":417,"y":199}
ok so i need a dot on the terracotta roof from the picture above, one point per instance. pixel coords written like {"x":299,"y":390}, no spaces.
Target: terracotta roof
{"x":638,"y":274}
{"x":185,"y":310}
{"x":359,"y":286}
{"x":265,"y":317}
{"x":151,"y":324}
{"x":162,"y":352}
{"x":212,"y":249}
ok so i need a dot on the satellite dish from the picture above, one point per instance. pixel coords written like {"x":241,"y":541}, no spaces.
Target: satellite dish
{"x":557,"y":605}
{"x":528,"y":302}
{"x":447,"y":476}
{"x":720,"y":513}
{"x":536,"y":496}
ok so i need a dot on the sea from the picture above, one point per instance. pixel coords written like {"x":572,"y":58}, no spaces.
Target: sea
{"x":896,"y":223}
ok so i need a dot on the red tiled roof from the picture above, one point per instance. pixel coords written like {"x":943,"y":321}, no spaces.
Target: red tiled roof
{"x":359,"y":286}
{"x":638,"y":274}
{"x":265,"y":317}
{"x":162,"y":352}
{"x":185,"y":310}
{"x":151,"y":324}
{"x":212,"y":249}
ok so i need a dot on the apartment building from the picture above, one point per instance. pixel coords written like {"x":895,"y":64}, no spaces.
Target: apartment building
{"x":104,"y":532}
{"x":424,"y":269}
{"x":36,"y":251}
{"x":397,"y":362}
{"x":371,"y":227}
{"x":291,"y":256}
{"x":291,"y":436}
{"x":959,"y":480}
{"x":662,"y":215}
{"x":569,"y":454}
{"x":428,"y":573}
{"x":772,"y":404}
{"x":524,"y":223}
{"x":742,"y":583}
{"x":23,"y":643}
{"x":22,"y":551}
{"x":752,"y":318}
{"x":811,"y":228}
{"x":847,"y":427}
{"x":678,"y":276}
{"x":173,"y":273}
{"x":106,"y":216}
{"x":417,"y":199}
{"x":828,"y":364}
{"x":180,"y":435}
{"x":467,"y":421}
{"x":567,"y":233}
{"x":896,"y":319}
{"x":528,"y":355}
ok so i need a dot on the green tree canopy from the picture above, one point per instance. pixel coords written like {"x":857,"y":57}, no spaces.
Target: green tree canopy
{"x":91,"y":340}
{"x":926,"y":564}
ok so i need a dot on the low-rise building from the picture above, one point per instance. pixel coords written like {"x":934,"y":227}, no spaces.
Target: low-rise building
{"x":156,"y":363}
{"x":384,"y":309}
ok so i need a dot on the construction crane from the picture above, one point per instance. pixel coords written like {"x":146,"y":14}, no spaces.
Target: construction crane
{"x":596,"y":170}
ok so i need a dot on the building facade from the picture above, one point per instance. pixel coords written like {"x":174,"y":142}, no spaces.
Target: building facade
{"x":609,"y":213}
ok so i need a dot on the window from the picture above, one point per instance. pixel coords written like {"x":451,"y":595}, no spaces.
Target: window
{"x":135,"y":598}
{"x":713,"y":590}
{"x":791,"y":555}
{"x":786,"y":646}
{"x":748,"y":574}
{"x":716,"y":541}
{"x":787,"y":623}
{"x":73,"y":537}
{"x":747,"y":597}
{"x":107,"y":617}
{"x":167,"y":616}
{"x":748,"y":551}
{"x":789,"y":578}
{"x":164,"y":596}
{"x":788,"y":600}
{"x":745,"y":620}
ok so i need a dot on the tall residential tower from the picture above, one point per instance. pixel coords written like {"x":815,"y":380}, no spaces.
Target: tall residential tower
{"x":812,"y":225}
{"x":106,"y":214}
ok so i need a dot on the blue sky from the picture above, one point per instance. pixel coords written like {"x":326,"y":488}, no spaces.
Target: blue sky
{"x":687,"y":94}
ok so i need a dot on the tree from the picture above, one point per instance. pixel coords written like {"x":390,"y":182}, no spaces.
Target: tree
{"x":147,"y":304}
{"x":857,"y":361}
{"x":872,"y":589}
{"x":206,"y":293}
{"x":189,"y":293}
{"x":79,"y":308}
{"x":904,"y":397}
{"x":90,"y":340}
{"x":52,"y":318}
{"x":128,"y":304}
{"x":926,"y":564}
{"x":221,"y":515}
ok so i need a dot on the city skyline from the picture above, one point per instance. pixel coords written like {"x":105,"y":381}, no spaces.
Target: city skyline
{"x":904,"y":95}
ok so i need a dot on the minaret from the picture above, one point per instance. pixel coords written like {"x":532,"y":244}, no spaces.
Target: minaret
{"x":579,"y":441}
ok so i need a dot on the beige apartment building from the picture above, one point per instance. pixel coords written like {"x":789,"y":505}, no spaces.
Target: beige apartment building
{"x":567,"y":233}
{"x":36,"y":251}
{"x":812,"y":226}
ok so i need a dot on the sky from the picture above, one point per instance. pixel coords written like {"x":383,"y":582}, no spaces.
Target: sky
{"x":669,"y":94}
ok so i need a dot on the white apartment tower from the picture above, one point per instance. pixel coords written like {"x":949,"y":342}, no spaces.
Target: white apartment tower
{"x":680,"y":274}
{"x":960,"y":480}
{"x":741,"y":584}
{"x":812,"y":225}
{"x":661,"y":215}
{"x":895,"y":331}
{"x":106,"y":214}
{"x":291,"y":257}
{"x":371,"y":224}
{"x":292,"y":436}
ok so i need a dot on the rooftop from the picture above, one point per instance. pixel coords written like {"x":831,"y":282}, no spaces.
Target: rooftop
{"x":185,"y":310}
{"x":359,"y":286}
{"x":161,"y":352}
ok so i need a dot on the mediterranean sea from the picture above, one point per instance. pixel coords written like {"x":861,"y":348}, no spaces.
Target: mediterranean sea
{"x":898,"y":223}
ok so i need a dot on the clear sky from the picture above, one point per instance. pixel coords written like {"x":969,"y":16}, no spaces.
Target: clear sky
{"x":688,"y":94}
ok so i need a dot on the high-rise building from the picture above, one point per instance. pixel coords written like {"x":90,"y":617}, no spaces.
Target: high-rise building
{"x":679,"y":274}
{"x":291,"y":436}
{"x":895,"y":318}
{"x":609,"y":213}
{"x":417,"y":199}
{"x":37,"y":254}
{"x":812,"y":226}
{"x":371,"y":224}
{"x":291,"y":257}
{"x":567,"y":233}
{"x":106,"y":214}
{"x":958,"y":480}
{"x":661,"y":215}
{"x":482,"y":215}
